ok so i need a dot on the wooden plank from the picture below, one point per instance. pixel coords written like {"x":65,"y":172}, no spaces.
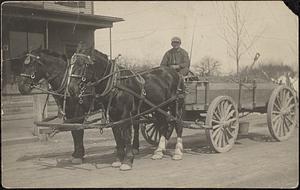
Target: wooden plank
{"x":222,"y":89}
{"x":195,"y":93}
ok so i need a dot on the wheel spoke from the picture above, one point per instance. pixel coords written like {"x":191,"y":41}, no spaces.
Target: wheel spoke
{"x":230,"y":114}
{"x":229,"y":132}
{"x":228,"y":109}
{"x":280,"y":127}
{"x":276,"y":117}
{"x":289,"y":101}
{"x":226,"y":136}
{"x":276,"y":126}
{"x":224,"y":139}
{"x":216,"y":126}
{"x":277,"y":106}
{"x":278,"y":101}
{"x":290,"y":107}
{"x":156,"y":132}
{"x":225,"y":105}
{"x":223,"y":109}
{"x":283,"y":128}
{"x":147,"y":130}
{"x":290,"y":120}
{"x":219,"y":110}
{"x":275,"y":112}
{"x":218,"y":122}
{"x":217,"y":115}
{"x":231,"y":120}
{"x":152,"y":132}
{"x":281,"y":98}
{"x":283,"y":103}
{"x":215,"y":132}
{"x":220,"y":139}
{"x":286,"y":125}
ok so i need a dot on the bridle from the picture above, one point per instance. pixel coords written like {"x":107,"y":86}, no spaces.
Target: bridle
{"x":28,"y":61}
{"x":82,"y":76}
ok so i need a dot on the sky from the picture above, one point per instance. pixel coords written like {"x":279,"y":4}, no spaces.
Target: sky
{"x":150,"y":25}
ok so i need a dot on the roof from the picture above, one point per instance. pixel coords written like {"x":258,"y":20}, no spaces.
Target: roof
{"x":27,"y":11}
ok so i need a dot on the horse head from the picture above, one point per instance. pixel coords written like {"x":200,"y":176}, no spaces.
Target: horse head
{"x":87,"y":65}
{"x":39,"y":64}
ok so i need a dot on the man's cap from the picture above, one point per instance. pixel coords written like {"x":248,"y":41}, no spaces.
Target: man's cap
{"x":176,"y":39}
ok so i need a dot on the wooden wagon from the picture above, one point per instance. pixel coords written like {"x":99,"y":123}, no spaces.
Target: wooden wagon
{"x":217,"y":106}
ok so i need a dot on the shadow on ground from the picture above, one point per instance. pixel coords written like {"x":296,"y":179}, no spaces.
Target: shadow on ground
{"x":195,"y":144}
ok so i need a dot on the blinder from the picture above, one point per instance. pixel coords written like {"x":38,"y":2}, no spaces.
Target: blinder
{"x":27,"y":60}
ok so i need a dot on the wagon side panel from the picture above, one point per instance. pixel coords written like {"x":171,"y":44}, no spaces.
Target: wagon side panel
{"x":196,"y":95}
{"x":263,"y":92}
{"x":223,"y":89}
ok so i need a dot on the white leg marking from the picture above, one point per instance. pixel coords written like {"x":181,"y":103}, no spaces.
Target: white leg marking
{"x":158,"y":153}
{"x":178,"y":150}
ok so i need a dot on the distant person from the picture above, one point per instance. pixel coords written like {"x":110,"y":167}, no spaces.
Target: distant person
{"x":177,"y":57}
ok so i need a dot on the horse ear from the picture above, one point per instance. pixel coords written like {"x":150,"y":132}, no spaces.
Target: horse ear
{"x":79,"y":47}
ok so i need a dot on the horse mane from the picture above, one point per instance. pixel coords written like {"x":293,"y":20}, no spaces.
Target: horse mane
{"x":100,"y":55}
{"x":54,"y":54}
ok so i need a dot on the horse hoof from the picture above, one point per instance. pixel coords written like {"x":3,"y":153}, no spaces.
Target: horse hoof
{"x":116,"y":164}
{"x":157,"y":156}
{"x":76,"y":161}
{"x":125,"y":167}
{"x":177,"y":157}
{"x":135,"y":151}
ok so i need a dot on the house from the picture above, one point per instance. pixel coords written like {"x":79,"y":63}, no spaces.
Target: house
{"x":56,"y":25}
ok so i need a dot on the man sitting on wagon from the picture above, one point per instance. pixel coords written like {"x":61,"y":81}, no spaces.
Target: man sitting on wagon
{"x":177,"y":57}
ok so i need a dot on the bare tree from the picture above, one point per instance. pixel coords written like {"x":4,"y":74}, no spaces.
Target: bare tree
{"x":234,"y":34}
{"x":207,"y":66}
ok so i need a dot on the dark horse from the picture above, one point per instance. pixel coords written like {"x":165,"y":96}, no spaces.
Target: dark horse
{"x":51,"y":66}
{"x":88,"y":66}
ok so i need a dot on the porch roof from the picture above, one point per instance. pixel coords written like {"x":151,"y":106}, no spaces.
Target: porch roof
{"x":26,"y":11}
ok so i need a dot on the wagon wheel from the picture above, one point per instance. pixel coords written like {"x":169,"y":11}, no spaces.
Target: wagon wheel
{"x":223,"y":121}
{"x":150,"y":132}
{"x":281,"y":114}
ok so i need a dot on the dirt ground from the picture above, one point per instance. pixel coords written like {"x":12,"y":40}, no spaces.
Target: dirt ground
{"x":255,"y":161}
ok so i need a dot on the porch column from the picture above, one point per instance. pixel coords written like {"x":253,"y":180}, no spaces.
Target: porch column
{"x":47,"y":36}
{"x":110,"y":44}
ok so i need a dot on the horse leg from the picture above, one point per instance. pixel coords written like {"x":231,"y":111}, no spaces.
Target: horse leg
{"x":119,"y":148}
{"x":77,"y":156}
{"x":136,"y":143}
{"x":179,"y":146}
{"x":129,"y":157}
{"x":158,"y":153}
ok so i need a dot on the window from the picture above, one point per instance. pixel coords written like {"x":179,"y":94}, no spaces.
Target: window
{"x":21,"y":42}
{"x":74,"y":4}
{"x":17,"y":43}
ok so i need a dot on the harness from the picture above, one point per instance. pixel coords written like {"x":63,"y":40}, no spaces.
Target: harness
{"x":113,"y":85}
